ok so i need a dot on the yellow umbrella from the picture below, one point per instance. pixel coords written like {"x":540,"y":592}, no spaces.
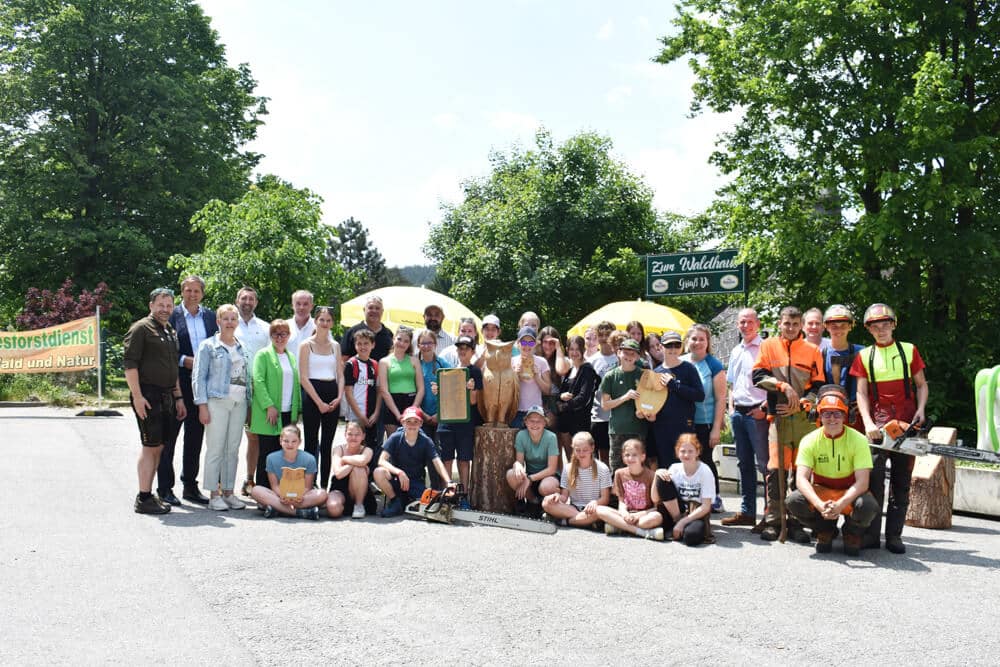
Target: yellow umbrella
{"x":405,"y":305}
{"x":654,"y":317}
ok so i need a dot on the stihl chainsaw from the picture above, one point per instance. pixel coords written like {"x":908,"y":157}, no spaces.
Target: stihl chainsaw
{"x":906,"y":438}
{"x":442,"y":506}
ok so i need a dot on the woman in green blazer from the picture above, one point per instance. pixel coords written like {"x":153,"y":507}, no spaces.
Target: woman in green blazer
{"x":276,"y":398}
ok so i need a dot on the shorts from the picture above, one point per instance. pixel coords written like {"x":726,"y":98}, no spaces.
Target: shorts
{"x":417,"y":488}
{"x":160,"y":425}
{"x":401,"y":401}
{"x":573,"y":422}
{"x":456,"y":441}
{"x":342,"y":486}
{"x":602,"y":441}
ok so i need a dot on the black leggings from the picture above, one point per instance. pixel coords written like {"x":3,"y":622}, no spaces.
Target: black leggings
{"x":319,"y":428}
{"x":703,"y":431}
{"x":268,"y":444}
{"x":694,"y":532}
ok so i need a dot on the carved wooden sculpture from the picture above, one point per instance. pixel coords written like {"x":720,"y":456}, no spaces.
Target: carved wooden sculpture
{"x":498,"y":404}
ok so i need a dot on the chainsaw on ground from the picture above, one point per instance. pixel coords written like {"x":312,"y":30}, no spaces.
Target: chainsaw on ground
{"x":442,"y":506}
{"x":898,"y":436}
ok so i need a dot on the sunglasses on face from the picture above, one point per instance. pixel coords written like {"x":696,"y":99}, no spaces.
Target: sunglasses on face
{"x":669,"y":345}
{"x":527,"y":343}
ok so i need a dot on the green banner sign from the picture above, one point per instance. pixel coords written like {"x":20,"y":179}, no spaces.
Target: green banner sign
{"x":690,"y":273}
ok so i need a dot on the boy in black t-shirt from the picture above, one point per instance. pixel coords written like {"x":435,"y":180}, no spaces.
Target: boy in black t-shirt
{"x":364,"y":402}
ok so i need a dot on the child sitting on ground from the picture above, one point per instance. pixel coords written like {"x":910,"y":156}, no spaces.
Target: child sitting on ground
{"x":349,"y":474}
{"x":586,"y":485}
{"x":633,"y":486}
{"x":681,"y":486}
{"x":278,"y":464}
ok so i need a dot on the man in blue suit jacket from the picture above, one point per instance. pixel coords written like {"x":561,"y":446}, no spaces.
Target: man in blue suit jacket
{"x":193,"y":325}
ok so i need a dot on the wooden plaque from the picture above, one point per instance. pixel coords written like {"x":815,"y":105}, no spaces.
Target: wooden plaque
{"x":293,"y":483}
{"x":453,"y":396}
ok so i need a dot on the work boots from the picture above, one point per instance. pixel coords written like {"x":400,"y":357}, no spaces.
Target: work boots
{"x":852,"y":544}
{"x":824,"y":542}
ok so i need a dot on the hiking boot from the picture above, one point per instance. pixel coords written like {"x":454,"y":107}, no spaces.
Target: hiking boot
{"x":739,"y":519}
{"x":824,"y":542}
{"x":799,"y":535}
{"x":393,"y":508}
{"x":769,"y":533}
{"x":852,"y":545}
{"x":759,"y":528}
{"x":150,"y":505}
{"x":895,"y":545}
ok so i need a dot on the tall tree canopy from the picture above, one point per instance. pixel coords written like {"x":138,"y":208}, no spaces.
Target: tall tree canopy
{"x":555,"y":229}
{"x":271,"y":239}
{"x":864,"y":167}
{"x":354,"y":252}
{"x":118,"y":120}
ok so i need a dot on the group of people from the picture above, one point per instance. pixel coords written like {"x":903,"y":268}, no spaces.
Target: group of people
{"x":585,"y":453}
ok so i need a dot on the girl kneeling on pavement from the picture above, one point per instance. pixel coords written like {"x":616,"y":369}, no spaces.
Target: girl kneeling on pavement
{"x":633,"y":486}
{"x":586,"y":486}
{"x":680,"y":488}
{"x":278,"y":463}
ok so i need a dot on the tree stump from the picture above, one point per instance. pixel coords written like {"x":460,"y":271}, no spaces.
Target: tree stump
{"x":932,"y":485}
{"x":494,"y":455}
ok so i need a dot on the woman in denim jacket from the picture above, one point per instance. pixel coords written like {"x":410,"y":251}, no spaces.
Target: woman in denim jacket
{"x":220,"y":381}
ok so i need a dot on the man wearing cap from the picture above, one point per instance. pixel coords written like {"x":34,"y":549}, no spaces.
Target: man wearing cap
{"x":466,"y":328}
{"x":838,"y":356}
{"x":532,"y":373}
{"x":788,"y":368}
{"x":372,"y":322}
{"x":433,"y":318}
{"x":747,"y":418}
{"x":833,"y":468}
{"x":403,"y":464}
{"x":151,"y":372}
{"x":619,"y":394}
{"x":891,"y":385}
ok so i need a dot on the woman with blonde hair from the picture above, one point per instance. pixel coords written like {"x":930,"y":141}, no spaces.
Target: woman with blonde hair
{"x":585,"y":485}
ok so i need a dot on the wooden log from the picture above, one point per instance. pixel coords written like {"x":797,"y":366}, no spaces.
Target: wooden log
{"x":932,"y":485}
{"x":493,"y":456}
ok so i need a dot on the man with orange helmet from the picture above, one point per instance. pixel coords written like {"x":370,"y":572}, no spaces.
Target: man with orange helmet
{"x":891,"y":385}
{"x":833,"y":469}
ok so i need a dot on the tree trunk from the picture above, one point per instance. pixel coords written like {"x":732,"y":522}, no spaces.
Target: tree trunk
{"x":932,"y":489}
{"x":494,"y":455}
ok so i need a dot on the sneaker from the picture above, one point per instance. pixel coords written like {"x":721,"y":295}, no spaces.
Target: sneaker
{"x":359,"y":512}
{"x":852,"y":545}
{"x":218,"y":504}
{"x":655,"y":534}
{"x":269,"y":512}
{"x":759,"y":528}
{"x":717,"y":506}
{"x":463,"y":504}
{"x":739,"y":519}
{"x":895,"y":545}
{"x":247,"y":488}
{"x":824,"y":542}
{"x":311,"y":513}
{"x":151,"y":505}
{"x":393,"y":508}
{"x":610,"y":530}
{"x":233,"y":502}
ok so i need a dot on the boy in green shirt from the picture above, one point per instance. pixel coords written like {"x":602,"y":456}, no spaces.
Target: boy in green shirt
{"x":618,"y":395}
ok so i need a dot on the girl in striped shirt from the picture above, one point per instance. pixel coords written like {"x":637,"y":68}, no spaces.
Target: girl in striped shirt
{"x":585,"y":486}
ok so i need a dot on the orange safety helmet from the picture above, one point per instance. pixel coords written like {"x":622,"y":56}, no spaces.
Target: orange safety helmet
{"x":877,"y":312}
{"x":832,"y":402}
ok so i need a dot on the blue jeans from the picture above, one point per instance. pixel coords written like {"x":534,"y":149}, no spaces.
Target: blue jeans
{"x":751,"y":443}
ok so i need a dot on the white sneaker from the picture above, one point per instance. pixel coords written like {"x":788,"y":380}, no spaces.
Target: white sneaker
{"x":655,"y":534}
{"x":217,"y":503}
{"x":233,"y":502}
{"x":359,"y":512}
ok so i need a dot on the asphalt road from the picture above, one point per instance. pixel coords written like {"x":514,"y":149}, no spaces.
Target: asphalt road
{"x":85,"y":580}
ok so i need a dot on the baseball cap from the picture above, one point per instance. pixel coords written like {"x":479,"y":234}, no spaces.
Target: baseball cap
{"x":492,"y":319}
{"x":527,"y":331}
{"x":412,"y":412}
{"x":465,"y":340}
{"x":629,"y":344}
{"x":670,"y":337}
{"x":534,"y":410}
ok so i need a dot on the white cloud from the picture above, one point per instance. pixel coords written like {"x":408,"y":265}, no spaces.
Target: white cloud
{"x":605,"y":32}
{"x":642,"y":23}
{"x":617,"y":95}
{"x":511,"y":120}
{"x":446,"y":120}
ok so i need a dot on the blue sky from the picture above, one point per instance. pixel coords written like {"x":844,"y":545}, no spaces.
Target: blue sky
{"x":384,"y":108}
